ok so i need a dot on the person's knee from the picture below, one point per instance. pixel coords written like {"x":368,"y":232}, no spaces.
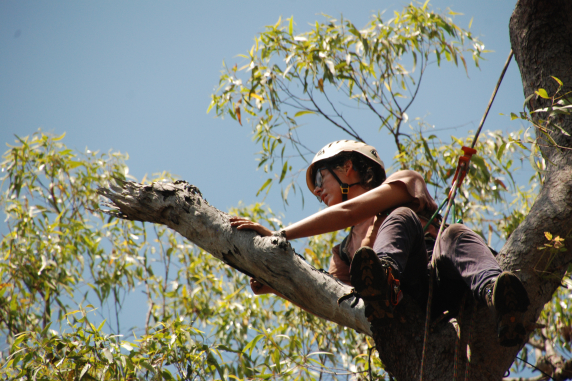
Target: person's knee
{"x":402,"y":219}
{"x":454,"y":231}
{"x":448,"y":242}
{"x":404,"y":214}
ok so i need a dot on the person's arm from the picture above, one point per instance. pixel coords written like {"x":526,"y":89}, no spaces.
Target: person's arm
{"x":339,"y":216}
{"x":349,"y":213}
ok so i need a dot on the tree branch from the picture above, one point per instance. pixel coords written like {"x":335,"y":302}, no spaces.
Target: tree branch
{"x":270,"y":260}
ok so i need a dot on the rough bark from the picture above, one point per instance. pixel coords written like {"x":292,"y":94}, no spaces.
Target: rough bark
{"x":271,"y":260}
{"x":541,"y":37}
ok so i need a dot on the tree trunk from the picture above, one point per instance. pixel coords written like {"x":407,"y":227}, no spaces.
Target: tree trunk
{"x":541,"y":38}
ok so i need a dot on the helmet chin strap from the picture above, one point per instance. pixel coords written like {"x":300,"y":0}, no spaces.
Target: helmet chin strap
{"x":343,"y":186}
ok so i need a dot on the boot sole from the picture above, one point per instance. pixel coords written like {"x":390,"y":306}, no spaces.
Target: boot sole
{"x":511,"y":302}
{"x":369,"y":279}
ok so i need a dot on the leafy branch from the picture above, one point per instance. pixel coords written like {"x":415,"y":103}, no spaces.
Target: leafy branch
{"x":379,"y":68}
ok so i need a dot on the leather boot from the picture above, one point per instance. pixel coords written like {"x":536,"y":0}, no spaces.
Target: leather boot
{"x":376,"y":281}
{"x":508,"y":299}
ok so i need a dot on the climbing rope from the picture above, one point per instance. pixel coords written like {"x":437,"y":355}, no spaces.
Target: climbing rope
{"x":460,"y":173}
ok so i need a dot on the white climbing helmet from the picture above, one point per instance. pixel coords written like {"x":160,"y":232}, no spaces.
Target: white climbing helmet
{"x":335,"y":148}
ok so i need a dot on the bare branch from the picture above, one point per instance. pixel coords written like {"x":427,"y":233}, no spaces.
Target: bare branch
{"x":271,"y":260}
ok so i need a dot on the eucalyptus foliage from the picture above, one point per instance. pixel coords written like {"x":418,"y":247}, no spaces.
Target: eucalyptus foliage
{"x":64,"y":263}
{"x":379,"y":68}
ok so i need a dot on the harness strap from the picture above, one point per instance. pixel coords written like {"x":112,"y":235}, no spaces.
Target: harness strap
{"x":343,"y":186}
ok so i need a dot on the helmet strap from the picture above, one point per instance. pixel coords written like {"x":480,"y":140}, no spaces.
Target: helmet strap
{"x":343,"y":186}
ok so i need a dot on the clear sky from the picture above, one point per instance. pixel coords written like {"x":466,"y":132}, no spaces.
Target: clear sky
{"x":137,"y":77}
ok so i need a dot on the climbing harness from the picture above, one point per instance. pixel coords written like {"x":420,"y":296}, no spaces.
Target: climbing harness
{"x":460,"y":173}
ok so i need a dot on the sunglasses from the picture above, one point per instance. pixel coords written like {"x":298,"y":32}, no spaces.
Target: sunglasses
{"x":319,"y":180}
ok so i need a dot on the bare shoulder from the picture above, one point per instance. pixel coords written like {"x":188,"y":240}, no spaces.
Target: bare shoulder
{"x":404,"y":175}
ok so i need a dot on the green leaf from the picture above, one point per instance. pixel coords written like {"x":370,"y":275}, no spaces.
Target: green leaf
{"x":527,"y":100}
{"x":557,"y":80}
{"x":45,"y":330}
{"x":519,"y":143}
{"x":304,"y":112}
{"x":276,"y":359}
{"x":284,"y":171}
{"x":58,"y":138}
{"x":20,"y":338}
{"x":250,"y":346}
{"x":542,"y":93}
{"x":74,"y":164}
{"x":212,"y":361}
{"x":560,"y":128}
{"x":266,"y":184}
{"x":531,"y":158}
{"x":147,"y":366}
{"x":166,"y":374}
{"x":501,"y":151}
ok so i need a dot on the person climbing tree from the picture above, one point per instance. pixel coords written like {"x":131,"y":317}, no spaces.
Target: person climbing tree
{"x":386,"y":253}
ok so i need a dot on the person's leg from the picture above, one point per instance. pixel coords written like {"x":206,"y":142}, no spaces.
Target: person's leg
{"x":398,"y":258}
{"x":462,"y":257}
{"x":400,"y":239}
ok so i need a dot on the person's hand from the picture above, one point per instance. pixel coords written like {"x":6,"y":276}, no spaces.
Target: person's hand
{"x":259,"y":288}
{"x":245,"y":224}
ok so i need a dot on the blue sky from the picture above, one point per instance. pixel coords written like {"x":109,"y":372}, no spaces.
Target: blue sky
{"x":137,"y":77}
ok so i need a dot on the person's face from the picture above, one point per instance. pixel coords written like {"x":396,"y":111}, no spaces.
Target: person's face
{"x":328,"y":189}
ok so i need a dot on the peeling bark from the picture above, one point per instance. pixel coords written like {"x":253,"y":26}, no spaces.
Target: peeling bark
{"x":541,"y":37}
{"x":271,"y":260}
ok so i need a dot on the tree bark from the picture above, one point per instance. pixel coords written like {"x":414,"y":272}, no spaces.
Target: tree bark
{"x":541,"y":38}
{"x":271,"y":260}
